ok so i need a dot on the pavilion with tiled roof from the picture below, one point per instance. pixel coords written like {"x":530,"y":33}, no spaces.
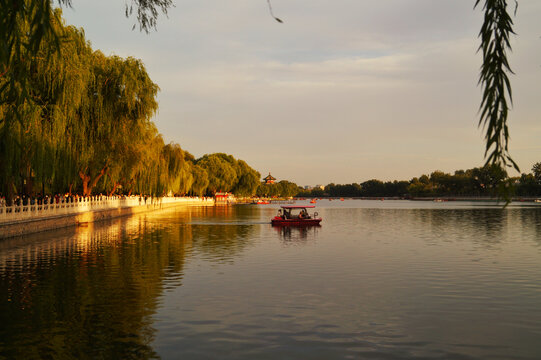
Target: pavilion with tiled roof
{"x":269,"y":179}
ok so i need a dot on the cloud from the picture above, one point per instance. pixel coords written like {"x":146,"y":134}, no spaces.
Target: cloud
{"x":352,"y":89}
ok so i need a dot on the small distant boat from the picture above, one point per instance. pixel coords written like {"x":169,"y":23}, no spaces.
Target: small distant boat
{"x":295,"y":216}
{"x":313,"y":201}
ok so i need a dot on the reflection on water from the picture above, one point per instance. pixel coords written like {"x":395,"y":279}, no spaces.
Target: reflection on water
{"x":297,"y":234}
{"x":91,"y":291}
{"x":382,"y":281}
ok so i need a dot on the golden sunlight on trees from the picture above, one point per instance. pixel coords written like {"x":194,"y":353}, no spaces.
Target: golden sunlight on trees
{"x":85,"y":126}
{"x":65,"y":109}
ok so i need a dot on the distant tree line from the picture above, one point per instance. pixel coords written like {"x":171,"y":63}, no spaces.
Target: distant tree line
{"x":481,"y":181}
{"x":282,"y":189}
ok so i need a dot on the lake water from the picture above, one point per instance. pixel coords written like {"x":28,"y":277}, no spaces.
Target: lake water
{"x":377,"y":280}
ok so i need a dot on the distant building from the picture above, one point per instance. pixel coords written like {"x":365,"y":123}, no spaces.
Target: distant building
{"x":224,"y":198}
{"x":320,"y":187}
{"x":307,"y":187}
{"x":269,"y":179}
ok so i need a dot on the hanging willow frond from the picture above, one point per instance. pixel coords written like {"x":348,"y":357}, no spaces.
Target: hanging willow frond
{"x":147,"y":12}
{"x":494,"y":80}
{"x":272,"y":14}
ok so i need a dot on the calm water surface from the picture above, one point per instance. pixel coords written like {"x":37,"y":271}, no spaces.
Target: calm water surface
{"x":378,"y":280}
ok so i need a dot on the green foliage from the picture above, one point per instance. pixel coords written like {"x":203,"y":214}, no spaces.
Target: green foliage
{"x":222,"y":173}
{"x":86,"y":127}
{"x":200,"y":180}
{"x":536,"y":169}
{"x":25,"y":24}
{"x":497,"y":96}
{"x":287,"y":189}
{"x":527,"y":185}
{"x":38,"y":68}
{"x":248,"y":180}
{"x":109,"y":125}
{"x":343,"y":190}
{"x":282,"y":189}
{"x":225,"y":173}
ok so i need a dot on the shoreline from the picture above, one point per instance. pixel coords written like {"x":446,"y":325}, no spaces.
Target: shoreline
{"x":431,"y":198}
{"x":25,"y":226}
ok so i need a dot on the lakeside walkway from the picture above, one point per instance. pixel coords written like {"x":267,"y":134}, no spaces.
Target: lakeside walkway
{"x":24,"y":219}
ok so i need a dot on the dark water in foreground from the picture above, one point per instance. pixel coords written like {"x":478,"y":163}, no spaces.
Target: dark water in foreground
{"x":378,"y":280}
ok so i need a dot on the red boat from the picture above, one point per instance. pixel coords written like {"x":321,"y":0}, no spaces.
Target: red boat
{"x":295,"y":216}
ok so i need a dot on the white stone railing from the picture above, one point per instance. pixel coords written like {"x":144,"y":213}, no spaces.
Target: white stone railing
{"x":79,"y":205}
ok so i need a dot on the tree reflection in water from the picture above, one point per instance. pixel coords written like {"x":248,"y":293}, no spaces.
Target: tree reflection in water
{"x":91,"y":292}
{"x":419,"y":279}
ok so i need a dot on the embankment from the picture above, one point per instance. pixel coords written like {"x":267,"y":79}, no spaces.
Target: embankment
{"x":28,"y":221}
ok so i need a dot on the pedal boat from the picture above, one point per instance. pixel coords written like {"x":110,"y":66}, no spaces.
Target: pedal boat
{"x":295,"y":216}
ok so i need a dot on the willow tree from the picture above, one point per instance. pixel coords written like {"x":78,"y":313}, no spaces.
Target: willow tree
{"x":222,"y":173}
{"x":175,"y":170}
{"x":225,"y":173}
{"x":126,"y":161}
{"x":121,"y":100}
{"x":183,"y":172}
{"x":65,"y":80}
{"x":248,"y":180}
{"x":24,"y":24}
{"x":185,"y":179}
{"x":33,"y":127}
{"x":31,"y":37}
{"x":162,"y":168}
{"x":200,"y":180}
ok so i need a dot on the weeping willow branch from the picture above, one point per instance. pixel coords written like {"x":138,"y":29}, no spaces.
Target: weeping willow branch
{"x":147,"y":12}
{"x":494,"y":80}
{"x":272,"y":14}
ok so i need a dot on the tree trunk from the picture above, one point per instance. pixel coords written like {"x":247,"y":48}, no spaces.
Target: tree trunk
{"x":96,"y":179}
{"x":114,"y":189}
{"x":87,"y":184}
{"x":85,"y":178}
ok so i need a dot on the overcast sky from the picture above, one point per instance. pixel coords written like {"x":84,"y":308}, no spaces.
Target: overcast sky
{"x":343,"y":91}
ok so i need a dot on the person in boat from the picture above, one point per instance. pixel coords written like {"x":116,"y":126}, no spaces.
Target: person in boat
{"x":303,"y":214}
{"x":286,"y":215}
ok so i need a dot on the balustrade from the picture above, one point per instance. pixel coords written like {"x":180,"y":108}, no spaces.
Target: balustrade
{"x":66,"y":206}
